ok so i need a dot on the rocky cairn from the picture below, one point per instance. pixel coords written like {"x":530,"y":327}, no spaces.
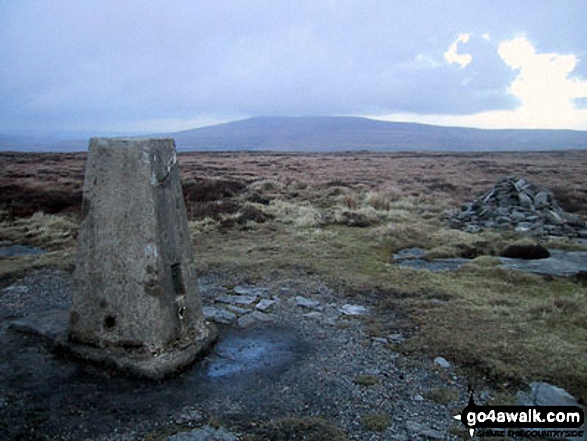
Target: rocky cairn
{"x":515,"y":202}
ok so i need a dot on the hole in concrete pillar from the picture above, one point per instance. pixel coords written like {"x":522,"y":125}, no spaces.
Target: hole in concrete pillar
{"x":181,"y":312}
{"x":109,"y":322}
{"x":177,"y":279}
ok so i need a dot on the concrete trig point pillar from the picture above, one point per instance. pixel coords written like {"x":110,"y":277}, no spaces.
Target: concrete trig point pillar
{"x":135,"y":304}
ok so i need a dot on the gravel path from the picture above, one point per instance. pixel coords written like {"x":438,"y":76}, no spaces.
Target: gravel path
{"x":308,"y":366}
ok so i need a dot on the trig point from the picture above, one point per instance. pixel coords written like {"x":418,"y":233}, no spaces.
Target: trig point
{"x":136,"y":306}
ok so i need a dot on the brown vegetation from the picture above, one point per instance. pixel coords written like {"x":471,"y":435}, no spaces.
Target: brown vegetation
{"x":342,"y":216}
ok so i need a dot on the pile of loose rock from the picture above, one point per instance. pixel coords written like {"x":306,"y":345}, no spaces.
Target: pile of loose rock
{"x":517,"y":203}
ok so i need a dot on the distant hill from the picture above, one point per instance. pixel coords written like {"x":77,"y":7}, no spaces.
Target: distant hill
{"x":321,"y":134}
{"x":349,"y":133}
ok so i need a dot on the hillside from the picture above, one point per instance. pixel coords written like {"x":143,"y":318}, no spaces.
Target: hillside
{"x":322,"y":134}
{"x":350,"y":133}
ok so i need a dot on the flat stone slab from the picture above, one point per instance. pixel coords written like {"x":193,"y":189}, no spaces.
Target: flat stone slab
{"x":265,"y":304}
{"x":53,"y":326}
{"x":237,"y":300}
{"x":218,"y":315}
{"x":353,"y":310}
{"x":306,"y":303}
{"x":409,"y":253}
{"x":560,"y":263}
{"x":435,"y":265}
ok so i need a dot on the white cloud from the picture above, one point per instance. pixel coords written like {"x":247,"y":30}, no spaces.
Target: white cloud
{"x":486,"y":37}
{"x":543,"y":86}
{"x":452,"y":56}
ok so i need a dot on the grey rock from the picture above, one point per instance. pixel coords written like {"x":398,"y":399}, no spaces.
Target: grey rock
{"x":253,"y":318}
{"x":265,"y":305}
{"x":442,"y":362}
{"x":206,"y":433}
{"x":435,"y":265}
{"x":218,"y":315}
{"x":242,"y":290}
{"x":545,"y":394}
{"x":314,"y":315}
{"x":560,"y":263}
{"x":541,"y":199}
{"x":238,"y":310}
{"x":554,"y":218}
{"x":396,"y":338}
{"x":353,"y":309}
{"x":473,"y":229}
{"x":524,"y":227}
{"x":236,"y":300}
{"x":409,"y":253}
{"x":51,"y":325}
{"x":306,"y":303}
{"x":525,"y":201}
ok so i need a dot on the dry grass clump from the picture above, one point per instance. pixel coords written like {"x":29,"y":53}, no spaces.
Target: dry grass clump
{"x":303,"y":215}
{"x":267,"y":186}
{"x":376,"y":422}
{"x":379,"y":201}
{"x":48,"y":231}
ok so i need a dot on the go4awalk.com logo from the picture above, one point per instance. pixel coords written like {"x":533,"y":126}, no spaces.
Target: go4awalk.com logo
{"x":523,"y":421}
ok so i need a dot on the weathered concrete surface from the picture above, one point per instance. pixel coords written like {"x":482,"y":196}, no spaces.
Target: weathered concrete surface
{"x":136,"y":304}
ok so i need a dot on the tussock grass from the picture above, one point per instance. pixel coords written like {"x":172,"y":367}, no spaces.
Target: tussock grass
{"x":48,"y":231}
{"x":267,"y":186}
{"x":303,"y":215}
{"x":502,"y":326}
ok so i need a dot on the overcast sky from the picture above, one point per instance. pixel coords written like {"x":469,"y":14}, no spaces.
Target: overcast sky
{"x":171,"y":65}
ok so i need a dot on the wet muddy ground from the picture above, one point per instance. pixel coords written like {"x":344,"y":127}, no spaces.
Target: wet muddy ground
{"x":296,"y":366}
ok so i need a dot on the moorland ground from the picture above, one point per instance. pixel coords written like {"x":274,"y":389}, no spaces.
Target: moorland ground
{"x":340,"y":217}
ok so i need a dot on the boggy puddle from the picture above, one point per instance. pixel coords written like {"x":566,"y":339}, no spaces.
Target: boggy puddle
{"x":52,"y":396}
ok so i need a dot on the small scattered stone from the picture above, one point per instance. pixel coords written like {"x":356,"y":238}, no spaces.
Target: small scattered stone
{"x":381,"y":340}
{"x":252,"y":318}
{"x":409,"y":253}
{"x":442,"y":362}
{"x":396,"y":338}
{"x":236,"y":300}
{"x":418,"y":398}
{"x":218,"y":315}
{"x":242,"y":290}
{"x":314,"y":315}
{"x":306,"y":303}
{"x":239,"y":310}
{"x":353,"y":309}
{"x":265,"y":304}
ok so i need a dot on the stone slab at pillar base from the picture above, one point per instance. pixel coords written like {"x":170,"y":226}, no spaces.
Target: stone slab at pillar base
{"x":53,"y":327}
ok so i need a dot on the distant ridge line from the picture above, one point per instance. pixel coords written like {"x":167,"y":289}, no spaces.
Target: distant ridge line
{"x":331,"y":134}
